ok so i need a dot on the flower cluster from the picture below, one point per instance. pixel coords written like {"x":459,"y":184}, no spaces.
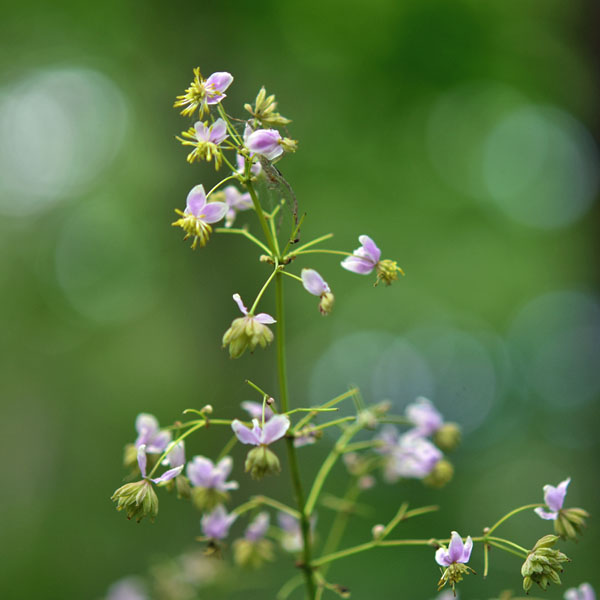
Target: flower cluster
{"x":454,"y":559}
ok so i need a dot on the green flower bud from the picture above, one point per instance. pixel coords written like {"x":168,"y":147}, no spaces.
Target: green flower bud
{"x":543,"y":564}
{"x":182,"y":487}
{"x":138,"y":499}
{"x":207,"y":499}
{"x":265,"y":110}
{"x":440,"y":475}
{"x":261,"y":461}
{"x":288,"y":144}
{"x":447,"y":437}
{"x":247,"y":332}
{"x":570,"y":522}
{"x":252,"y":554}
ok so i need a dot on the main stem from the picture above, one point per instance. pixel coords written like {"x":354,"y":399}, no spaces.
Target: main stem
{"x":291,"y":450}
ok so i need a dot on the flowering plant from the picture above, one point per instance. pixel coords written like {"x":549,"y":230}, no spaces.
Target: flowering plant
{"x":249,"y":150}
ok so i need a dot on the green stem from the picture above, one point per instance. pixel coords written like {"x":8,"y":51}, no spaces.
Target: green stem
{"x":327,"y":466}
{"x":247,"y":235}
{"x":227,"y":448}
{"x":262,"y":291}
{"x":392,"y":524}
{"x":232,"y":132}
{"x":291,"y":450}
{"x":318,"y":240}
{"x":293,"y":276}
{"x":289,"y":587}
{"x":362,"y":446}
{"x":332,"y":423}
{"x":216,"y":187}
{"x":259,"y":390}
{"x":509,"y":550}
{"x":261,"y":217}
{"x":509,"y":515}
{"x":351,"y":392}
{"x":302,"y":252}
{"x":258,"y":500}
{"x":294,"y":235}
{"x":508,"y":542}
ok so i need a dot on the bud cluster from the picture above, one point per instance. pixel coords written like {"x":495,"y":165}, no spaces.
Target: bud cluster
{"x":543,"y":564}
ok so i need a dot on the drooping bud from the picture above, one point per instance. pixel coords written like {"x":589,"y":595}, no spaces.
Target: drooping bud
{"x":138,"y":499}
{"x":252,"y":555}
{"x":447,"y":437}
{"x":440,"y":475}
{"x":543,"y":564}
{"x":265,"y":110}
{"x":326,"y":303}
{"x":260,"y":461}
{"x":570,"y":522}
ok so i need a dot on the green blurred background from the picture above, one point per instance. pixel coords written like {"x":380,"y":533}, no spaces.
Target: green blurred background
{"x":459,"y":134}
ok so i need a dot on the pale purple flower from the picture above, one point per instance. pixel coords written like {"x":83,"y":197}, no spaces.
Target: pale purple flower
{"x":128,"y":588}
{"x":202,"y":472}
{"x":236,"y":202}
{"x":423,"y":414}
{"x":388,"y":438}
{"x":273,"y":430}
{"x":215,"y":85}
{"x":583,"y":592}
{"x":150,"y":435}
{"x":363,"y":259}
{"x":175,"y":454}
{"x":554,"y":498}
{"x":457,"y":552}
{"x":240,"y":160}
{"x":215,"y":525}
{"x":262,"y":318}
{"x":213,"y":134}
{"x":447,"y":595}
{"x":255,"y":410}
{"x":258,"y":527}
{"x":166,"y":476}
{"x":305,"y":439}
{"x":313,"y":282}
{"x":266,"y":142}
{"x":198,"y":207}
{"x":413,"y":456}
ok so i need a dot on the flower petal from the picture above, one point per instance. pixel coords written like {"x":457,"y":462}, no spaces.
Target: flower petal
{"x":218,"y":131}
{"x":142,"y":459}
{"x":264,"y":318}
{"x":244,"y":434}
{"x":214,"y":211}
{"x":146,"y":424}
{"x":455,"y":548}
{"x":275,"y":429}
{"x":219,"y":81}
{"x":313,"y":282}
{"x":554,"y":497}
{"x":167,"y":475}
{"x":548,"y":516}
{"x":441,"y":557}
{"x":196,"y":200}
{"x":238,"y":301}
{"x":357,"y":265}
{"x":199,"y":471}
{"x":202,"y":131}
{"x":373,"y":252}
{"x":468,"y":547}
{"x":224,"y":467}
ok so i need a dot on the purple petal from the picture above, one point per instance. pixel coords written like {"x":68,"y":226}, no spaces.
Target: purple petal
{"x":265,"y":142}
{"x":288,"y":523}
{"x":214,"y":211}
{"x":264,"y":318}
{"x":238,"y":301}
{"x":146,"y":424}
{"x":219,"y":81}
{"x":548,"y":516}
{"x":424,"y":415}
{"x":373,"y":252}
{"x":224,"y":467}
{"x":167,"y":475}
{"x":254,"y":409}
{"x":176,"y":455}
{"x":275,"y":429}
{"x":587,"y":592}
{"x":244,"y":434}
{"x":158,"y":442}
{"x":258,"y":528}
{"x":217,"y":523}
{"x":196,"y":200}
{"x":455,"y":548}
{"x":202,"y":131}
{"x":441,"y":557}
{"x":218,"y":131}
{"x":554,"y":497}
{"x":199,"y":471}
{"x":468,"y":547}
{"x":313,"y":282}
{"x":357,"y":265}
{"x":142,"y":459}
{"x":247,"y":133}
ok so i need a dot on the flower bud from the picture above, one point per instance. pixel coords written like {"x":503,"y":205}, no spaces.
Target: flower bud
{"x":182,"y":487}
{"x":570,"y":522}
{"x":260,"y":461}
{"x":207,"y":499}
{"x":440,"y":475}
{"x":326,"y":303}
{"x":252,"y":554}
{"x":138,"y":499}
{"x":543,"y":564}
{"x":289,"y":145}
{"x":447,"y":437}
{"x":377,"y":531}
{"x":246,"y":332}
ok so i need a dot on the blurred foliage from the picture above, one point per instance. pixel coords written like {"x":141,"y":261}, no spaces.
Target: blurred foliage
{"x":107,"y":313}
